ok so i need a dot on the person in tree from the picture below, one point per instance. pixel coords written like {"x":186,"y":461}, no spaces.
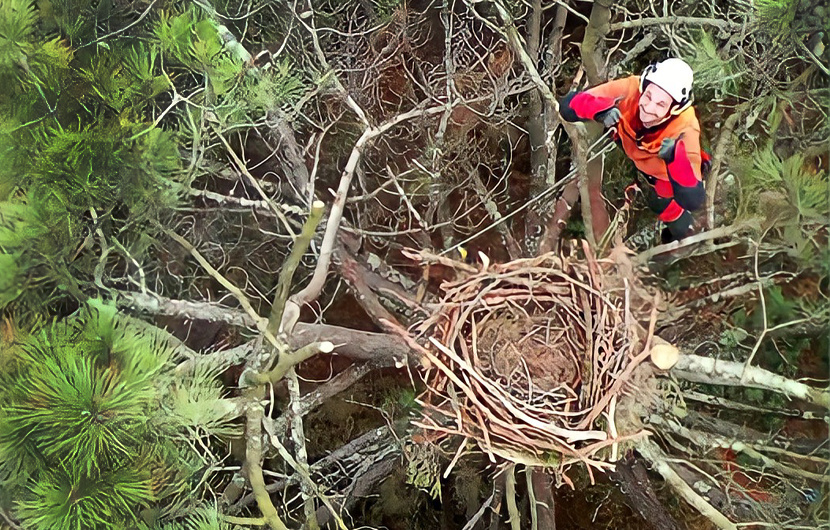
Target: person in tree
{"x":657,"y":128}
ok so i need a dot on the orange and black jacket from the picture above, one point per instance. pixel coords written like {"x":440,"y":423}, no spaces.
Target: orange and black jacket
{"x":678,"y":183}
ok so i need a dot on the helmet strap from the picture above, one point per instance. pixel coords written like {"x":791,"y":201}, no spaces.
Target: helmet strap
{"x":681,"y":106}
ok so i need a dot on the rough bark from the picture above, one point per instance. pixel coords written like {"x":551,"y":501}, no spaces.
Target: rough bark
{"x":592,"y":50}
{"x":634,"y":483}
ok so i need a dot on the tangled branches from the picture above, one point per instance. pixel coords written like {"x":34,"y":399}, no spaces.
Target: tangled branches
{"x":527,"y":358}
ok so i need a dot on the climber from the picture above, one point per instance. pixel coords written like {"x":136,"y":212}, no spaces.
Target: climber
{"x":658,"y":130}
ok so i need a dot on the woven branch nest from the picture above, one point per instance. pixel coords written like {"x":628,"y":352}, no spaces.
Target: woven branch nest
{"x":528,"y":359}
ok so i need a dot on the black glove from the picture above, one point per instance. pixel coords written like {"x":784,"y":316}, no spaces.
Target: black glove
{"x":667,"y":150}
{"x":608,"y":118}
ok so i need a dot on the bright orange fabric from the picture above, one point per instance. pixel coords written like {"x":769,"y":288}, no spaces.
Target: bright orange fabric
{"x":641,"y":148}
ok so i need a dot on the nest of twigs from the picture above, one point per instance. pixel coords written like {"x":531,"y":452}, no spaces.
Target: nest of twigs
{"x":528,"y":359}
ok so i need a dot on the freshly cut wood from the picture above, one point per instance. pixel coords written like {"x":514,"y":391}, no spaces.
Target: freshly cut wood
{"x":664,"y":356}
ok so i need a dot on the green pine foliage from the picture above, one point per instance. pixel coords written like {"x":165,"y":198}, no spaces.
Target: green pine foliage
{"x":236,"y":89}
{"x":75,"y":138}
{"x":204,"y":518}
{"x":90,"y":414}
{"x":17,"y":23}
{"x":716,"y":77}
{"x":790,"y":197}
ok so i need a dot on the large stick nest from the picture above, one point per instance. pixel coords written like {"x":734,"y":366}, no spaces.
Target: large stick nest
{"x":528,"y":359}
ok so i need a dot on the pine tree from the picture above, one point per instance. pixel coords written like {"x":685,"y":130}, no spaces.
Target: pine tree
{"x":90,"y":415}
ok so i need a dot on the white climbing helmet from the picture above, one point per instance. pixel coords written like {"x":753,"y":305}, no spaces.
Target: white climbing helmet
{"x":675,"y":77}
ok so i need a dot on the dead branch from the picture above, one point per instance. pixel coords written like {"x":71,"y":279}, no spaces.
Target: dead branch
{"x":636,"y":486}
{"x":514,"y":517}
{"x":354,"y":273}
{"x":717,"y":160}
{"x":592,"y":50}
{"x":365,"y":447}
{"x":361,"y":345}
{"x":315,"y":285}
{"x":724,"y":231}
{"x":313,"y":399}
{"x":543,"y":505}
{"x":259,"y":322}
{"x":658,"y":458}
{"x":711,"y":371}
{"x":253,"y":459}
{"x":676,"y":20}
{"x":298,"y":437}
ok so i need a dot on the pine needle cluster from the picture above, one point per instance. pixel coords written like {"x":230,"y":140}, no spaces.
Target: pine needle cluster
{"x":90,"y":415}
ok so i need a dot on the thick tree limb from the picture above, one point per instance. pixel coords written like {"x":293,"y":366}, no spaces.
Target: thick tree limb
{"x":718,"y":372}
{"x":593,"y":58}
{"x":514,"y":517}
{"x":253,"y":459}
{"x":724,"y":138}
{"x":636,"y":486}
{"x":353,"y":273}
{"x":348,"y":342}
{"x":541,"y":484}
{"x":723,"y":231}
{"x":580,"y":156}
{"x":671,"y":21}
{"x":363,"y":485}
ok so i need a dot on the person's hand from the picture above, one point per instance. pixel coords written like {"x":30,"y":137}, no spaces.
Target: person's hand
{"x":608,"y":118}
{"x":667,"y":150}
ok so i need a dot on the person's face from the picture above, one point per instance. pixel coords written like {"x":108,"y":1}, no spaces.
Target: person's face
{"x":654,"y":104}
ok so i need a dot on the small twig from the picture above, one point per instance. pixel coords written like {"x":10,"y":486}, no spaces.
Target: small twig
{"x":237,"y":293}
{"x":245,"y":521}
{"x":275,"y":441}
{"x":254,"y":182}
{"x":480,"y":513}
